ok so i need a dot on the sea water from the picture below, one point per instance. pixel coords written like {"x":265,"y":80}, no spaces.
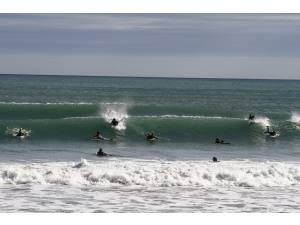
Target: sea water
{"x":55,"y":168}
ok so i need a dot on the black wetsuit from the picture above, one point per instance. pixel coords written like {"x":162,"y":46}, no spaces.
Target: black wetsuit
{"x":214,"y":159}
{"x":101,"y":153}
{"x":20,"y":133}
{"x":114,"y":122}
{"x":251,"y":117}
{"x":151,"y":137}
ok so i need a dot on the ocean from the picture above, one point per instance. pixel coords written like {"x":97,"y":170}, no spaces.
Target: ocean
{"x":56,"y":169}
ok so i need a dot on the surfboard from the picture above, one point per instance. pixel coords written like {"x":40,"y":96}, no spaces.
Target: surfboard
{"x":273,"y":136}
{"x":106,"y":155}
{"x":22,"y":136}
{"x":100,"y":139}
{"x":152,"y":139}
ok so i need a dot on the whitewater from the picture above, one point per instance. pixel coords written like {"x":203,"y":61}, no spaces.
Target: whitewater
{"x":126,"y":185}
{"x":55,"y":168}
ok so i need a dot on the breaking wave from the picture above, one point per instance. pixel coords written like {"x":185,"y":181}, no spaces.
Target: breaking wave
{"x":295,"y":118}
{"x":154,"y":173}
{"x":78,"y":121}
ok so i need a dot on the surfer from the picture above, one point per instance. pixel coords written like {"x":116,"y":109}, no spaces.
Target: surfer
{"x":100,"y":153}
{"x":114,"y":122}
{"x":272,"y":133}
{"x":214,"y":159}
{"x":150,"y":136}
{"x":97,"y":135}
{"x":220,"y":141}
{"x":251,"y":117}
{"x":267,"y":131}
{"x":20,"y":133}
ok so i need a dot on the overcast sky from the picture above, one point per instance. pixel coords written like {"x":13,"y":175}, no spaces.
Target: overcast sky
{"x":176,"y":45}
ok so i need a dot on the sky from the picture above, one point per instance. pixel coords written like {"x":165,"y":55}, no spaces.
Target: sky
{"x":163,"y":45}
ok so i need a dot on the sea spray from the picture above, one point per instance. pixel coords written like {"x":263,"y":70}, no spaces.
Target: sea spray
{"x":81,"y":164}
{"x":263,"y":121}
{"x":14,"y":131}
{"x":295,"y":118}
{"x":115,"y":111}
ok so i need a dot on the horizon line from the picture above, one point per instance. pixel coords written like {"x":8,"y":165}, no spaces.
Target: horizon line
{"x":135,"y":76}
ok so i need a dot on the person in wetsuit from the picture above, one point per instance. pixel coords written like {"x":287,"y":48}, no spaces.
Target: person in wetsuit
{"x":251,"y":116}
{"x":100,"y":153}
{"x":270,"y":132}
{"x":214,"y":159}
{"x":114,"y":122}
{"x":220,"y":141}
{"x":98,"y":135}
{"x":20,"y":133}
{"x":150,"y":136}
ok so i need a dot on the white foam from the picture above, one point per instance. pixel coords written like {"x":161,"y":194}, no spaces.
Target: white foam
{"x":295,"y":118}
{"x":188,"y":116}
{"x":81,"y":164}
{"x":117,"y":111}
{"x":104,"y":115}
{"x":154,"y":173}
{"x":263,"y":121}
{"x":13,"y":131}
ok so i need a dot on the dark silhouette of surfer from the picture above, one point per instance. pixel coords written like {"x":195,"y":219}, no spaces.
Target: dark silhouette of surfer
{"x":251,"y":119}
{"x":270,"y":132}
{"x":114,"y":122}
{"x":98,"y":135}
{"x":220,"y":141}
{"x":251,"y":116}
{"x":150,"y":136}
{"x":20,"y":133}
{"x":100,"y":153}
{"x":214,"y":159}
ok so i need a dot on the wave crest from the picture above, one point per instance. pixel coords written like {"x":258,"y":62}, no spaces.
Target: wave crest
{"x":155,"y":173}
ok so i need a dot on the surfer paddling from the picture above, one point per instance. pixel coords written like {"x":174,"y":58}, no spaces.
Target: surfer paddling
{"x":150,"y":136}
{"x":99,"y":137}
{"x":220,"y":141}
{"x":100,"y":153}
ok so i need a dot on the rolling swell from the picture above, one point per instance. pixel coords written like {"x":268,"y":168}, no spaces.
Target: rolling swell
{"x":78,"y":121}
{"x":52,"y":110}
{"x":19,"y":111}
{"x":170,"y":128}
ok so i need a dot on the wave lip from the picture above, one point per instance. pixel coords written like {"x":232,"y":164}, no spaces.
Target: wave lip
{"x":187,"y":116}
{"x":152,"y":173}
{"x":295,"y":118}
{"x":263,"y":121}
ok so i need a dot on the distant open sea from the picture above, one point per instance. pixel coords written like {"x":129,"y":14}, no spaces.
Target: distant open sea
{"x":55,"y":168}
